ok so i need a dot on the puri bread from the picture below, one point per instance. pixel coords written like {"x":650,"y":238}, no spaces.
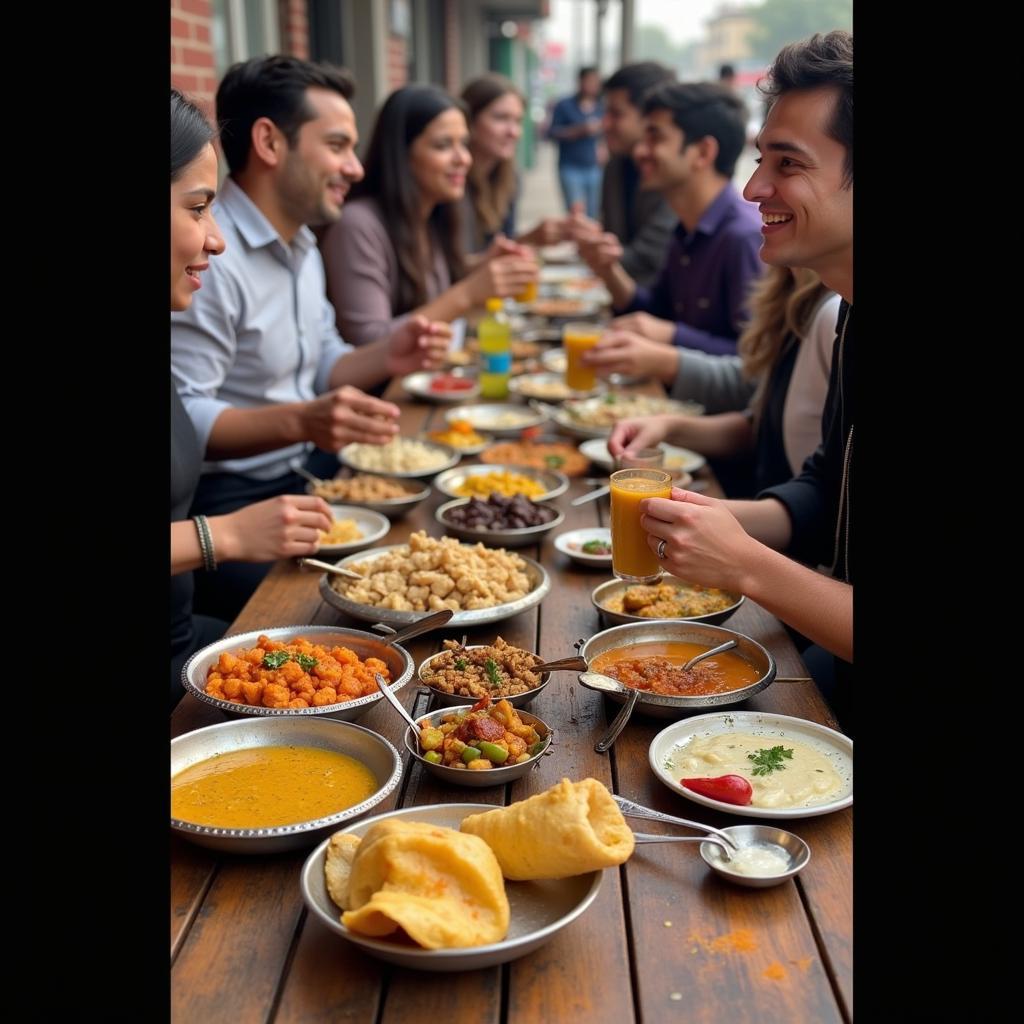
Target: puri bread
{"x":443,"y":887}
{"x":569,"y":829}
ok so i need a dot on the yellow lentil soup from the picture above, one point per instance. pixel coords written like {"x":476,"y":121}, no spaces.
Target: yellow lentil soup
{"x":262,"y":787}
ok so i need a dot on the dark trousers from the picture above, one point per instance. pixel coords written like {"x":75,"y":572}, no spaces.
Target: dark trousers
{"x":223,"y":594}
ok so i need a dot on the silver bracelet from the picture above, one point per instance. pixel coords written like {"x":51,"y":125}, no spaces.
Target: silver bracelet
{"x":205,"y":543}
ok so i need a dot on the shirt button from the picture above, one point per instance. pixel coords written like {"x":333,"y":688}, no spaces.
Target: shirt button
{"x":684,"y":261}
{"x":703,"y":303}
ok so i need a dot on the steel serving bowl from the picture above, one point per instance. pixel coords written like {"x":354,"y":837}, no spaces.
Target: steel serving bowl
{"x":798,"y":852}
{"x":393,"y":508}
{"x":451,"y":700}
{"x":555,"y":482}
{"x":451,"y":458}
{"x":366,"y":645}
{"x":540,"y":584}
{"x":510,"y":538}
{"x":481,"y":779}
{"x":343,"y":737}
{"x":488,"y":417}
{"x":612,"y":588}
{"x":663,"y":706}
{"x":551,"y":387}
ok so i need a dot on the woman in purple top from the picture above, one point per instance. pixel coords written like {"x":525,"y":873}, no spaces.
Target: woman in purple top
{"x":397,"y":249}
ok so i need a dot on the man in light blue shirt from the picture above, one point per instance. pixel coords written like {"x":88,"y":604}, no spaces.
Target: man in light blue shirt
{"x":258,"y":363}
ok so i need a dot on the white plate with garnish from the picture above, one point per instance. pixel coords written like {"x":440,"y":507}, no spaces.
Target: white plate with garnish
{"x":764,"y":765}
{"x":575,"y":543}
{"x":371,"y":527}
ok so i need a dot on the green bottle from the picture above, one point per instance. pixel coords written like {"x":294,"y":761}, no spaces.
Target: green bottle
{"x":495,"y":336}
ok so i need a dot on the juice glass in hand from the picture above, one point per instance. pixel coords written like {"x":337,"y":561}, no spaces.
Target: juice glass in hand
{"x":632,"y":558}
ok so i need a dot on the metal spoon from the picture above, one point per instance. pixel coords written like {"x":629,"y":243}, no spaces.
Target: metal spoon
{"x":592,"y":496}
{"x":631,"y":809}
{"x":337,"y":570}
{"x":642,"y":837}
{"x":423,"y":625}
{"x":305,"y":473}
{"x":382,"y":685}
{"x":727,"y":646}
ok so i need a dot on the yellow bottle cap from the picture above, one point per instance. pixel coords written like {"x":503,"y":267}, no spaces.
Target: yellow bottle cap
{"x":494,"y":305}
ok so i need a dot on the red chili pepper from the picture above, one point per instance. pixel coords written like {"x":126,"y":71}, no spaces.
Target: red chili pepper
{"x":730,"y":789}
{"x":530,"y":433}
{"x":483,"y":702}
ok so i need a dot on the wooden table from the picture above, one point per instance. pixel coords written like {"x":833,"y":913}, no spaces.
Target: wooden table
{"x":666,"y":939}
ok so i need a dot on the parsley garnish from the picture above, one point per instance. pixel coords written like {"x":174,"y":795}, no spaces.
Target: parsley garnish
{"x":553,"y":461}
{"x":275,"y":659}
{"x":460,"y":664}
{"x":769,"y":761}
{"x":491,"y":667}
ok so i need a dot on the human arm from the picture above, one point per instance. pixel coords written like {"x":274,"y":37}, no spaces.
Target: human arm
{"x":280,"y":527}
{"x":645,"y":254}
{"x":601,"y":251}
{"x":717,"y":382}
{"x":720,"y":436}
{"x":706,"y":543}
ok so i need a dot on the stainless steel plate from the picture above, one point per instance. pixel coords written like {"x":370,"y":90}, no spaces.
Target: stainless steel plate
{"x":612,"y":588}
{"x":451,"y":459}
{"x":366,"y":645}
{"x":562,"y":415}
{"x":555,"y":483}
{"x":540,"y":584}
{"x":539,"y":909}
{"x":393,"y":508}
{"x":418,"y":384}
{"x":372,"y":750}
{"x":497,"y":538}
{"x":489,"y":417}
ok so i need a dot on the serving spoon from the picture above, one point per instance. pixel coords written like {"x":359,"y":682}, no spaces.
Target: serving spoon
{"x":337,"y":570}
{"x":424,"y":625}
{"x":305,"y":473}
{"x":631,"y":809}
{"x":382,"y":685}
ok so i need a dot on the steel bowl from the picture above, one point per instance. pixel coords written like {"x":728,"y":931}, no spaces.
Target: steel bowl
{"x":483,"y":779}
{"x":662,"y":706}
{"x":562,"y":415}
{"x":483,"y":417}
{"x":540,"y":584}
{"x":511,"y":538}
{"x":366,"y":645}
{"x":747,"y":835}
{"x":451,"y":700}
{"x":372,"y":750}
{"x":611,"y":588}
{"x":393,"y":508}
{"x":533,"y":385}
{"x":451,"y":459}
{"x":555,"y":482}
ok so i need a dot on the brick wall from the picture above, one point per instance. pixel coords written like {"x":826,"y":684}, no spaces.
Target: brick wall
{"x":192,"y":67}
{"x":295,"y":28}
{"x":398,"y":68}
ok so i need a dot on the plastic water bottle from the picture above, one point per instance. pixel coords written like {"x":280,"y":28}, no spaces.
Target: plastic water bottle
{"x":495,"y":336}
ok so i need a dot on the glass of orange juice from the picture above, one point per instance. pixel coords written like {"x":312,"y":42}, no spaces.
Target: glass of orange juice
{"x":632,"y":558}
{"x":577,"y":338}
{"x":529,"y":293}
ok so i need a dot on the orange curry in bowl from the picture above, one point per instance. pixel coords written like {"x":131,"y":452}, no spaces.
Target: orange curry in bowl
{"x":657,"y":667}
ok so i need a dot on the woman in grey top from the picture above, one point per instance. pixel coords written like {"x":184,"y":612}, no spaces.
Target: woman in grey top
{"x":397,"y":249}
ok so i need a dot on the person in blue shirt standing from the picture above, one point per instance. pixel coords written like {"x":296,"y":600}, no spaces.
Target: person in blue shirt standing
{"x":576,"y":126}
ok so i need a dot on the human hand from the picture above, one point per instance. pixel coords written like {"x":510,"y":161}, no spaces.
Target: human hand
{"x":651,"y":327}
{"x":629,"y":354}
{"x":417,"y":344}
{"x":502,"y":277}
{"x":600,"y":251}
{"x":704,"y":541}
{"x":501,"y":245}
{"x":280,"y":527}
{"x":579,"y":226}
{"x":347,"y":414}
{"x":550,"y":231}
{"x":629,"y":436}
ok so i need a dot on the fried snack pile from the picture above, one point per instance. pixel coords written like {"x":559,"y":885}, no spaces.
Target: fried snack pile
{"x":569,"y":829}
{"x":442,"y":887}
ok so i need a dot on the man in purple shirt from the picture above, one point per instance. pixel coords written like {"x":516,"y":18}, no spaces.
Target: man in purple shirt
{"x":693,"y":135}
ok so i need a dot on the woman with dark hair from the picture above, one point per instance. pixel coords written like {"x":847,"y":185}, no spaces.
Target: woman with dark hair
{"x":270,"y":529}
{"x":495,"y":109}
{"x":397,"y":248}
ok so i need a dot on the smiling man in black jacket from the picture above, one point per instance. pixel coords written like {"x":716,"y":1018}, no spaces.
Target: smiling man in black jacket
{"x":804,"y":189}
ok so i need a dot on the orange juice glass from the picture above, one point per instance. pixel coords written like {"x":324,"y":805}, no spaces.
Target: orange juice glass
{"x":577,"y":338}
{"x":528,"y":294}
{"x":632,"y":558}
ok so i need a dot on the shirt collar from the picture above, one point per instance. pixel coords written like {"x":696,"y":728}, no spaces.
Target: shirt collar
{"x":724,"y":203}
{"x":256,"y":231}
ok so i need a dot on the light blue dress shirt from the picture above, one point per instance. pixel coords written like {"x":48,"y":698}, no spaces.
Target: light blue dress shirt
{"x":260,"y":331}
